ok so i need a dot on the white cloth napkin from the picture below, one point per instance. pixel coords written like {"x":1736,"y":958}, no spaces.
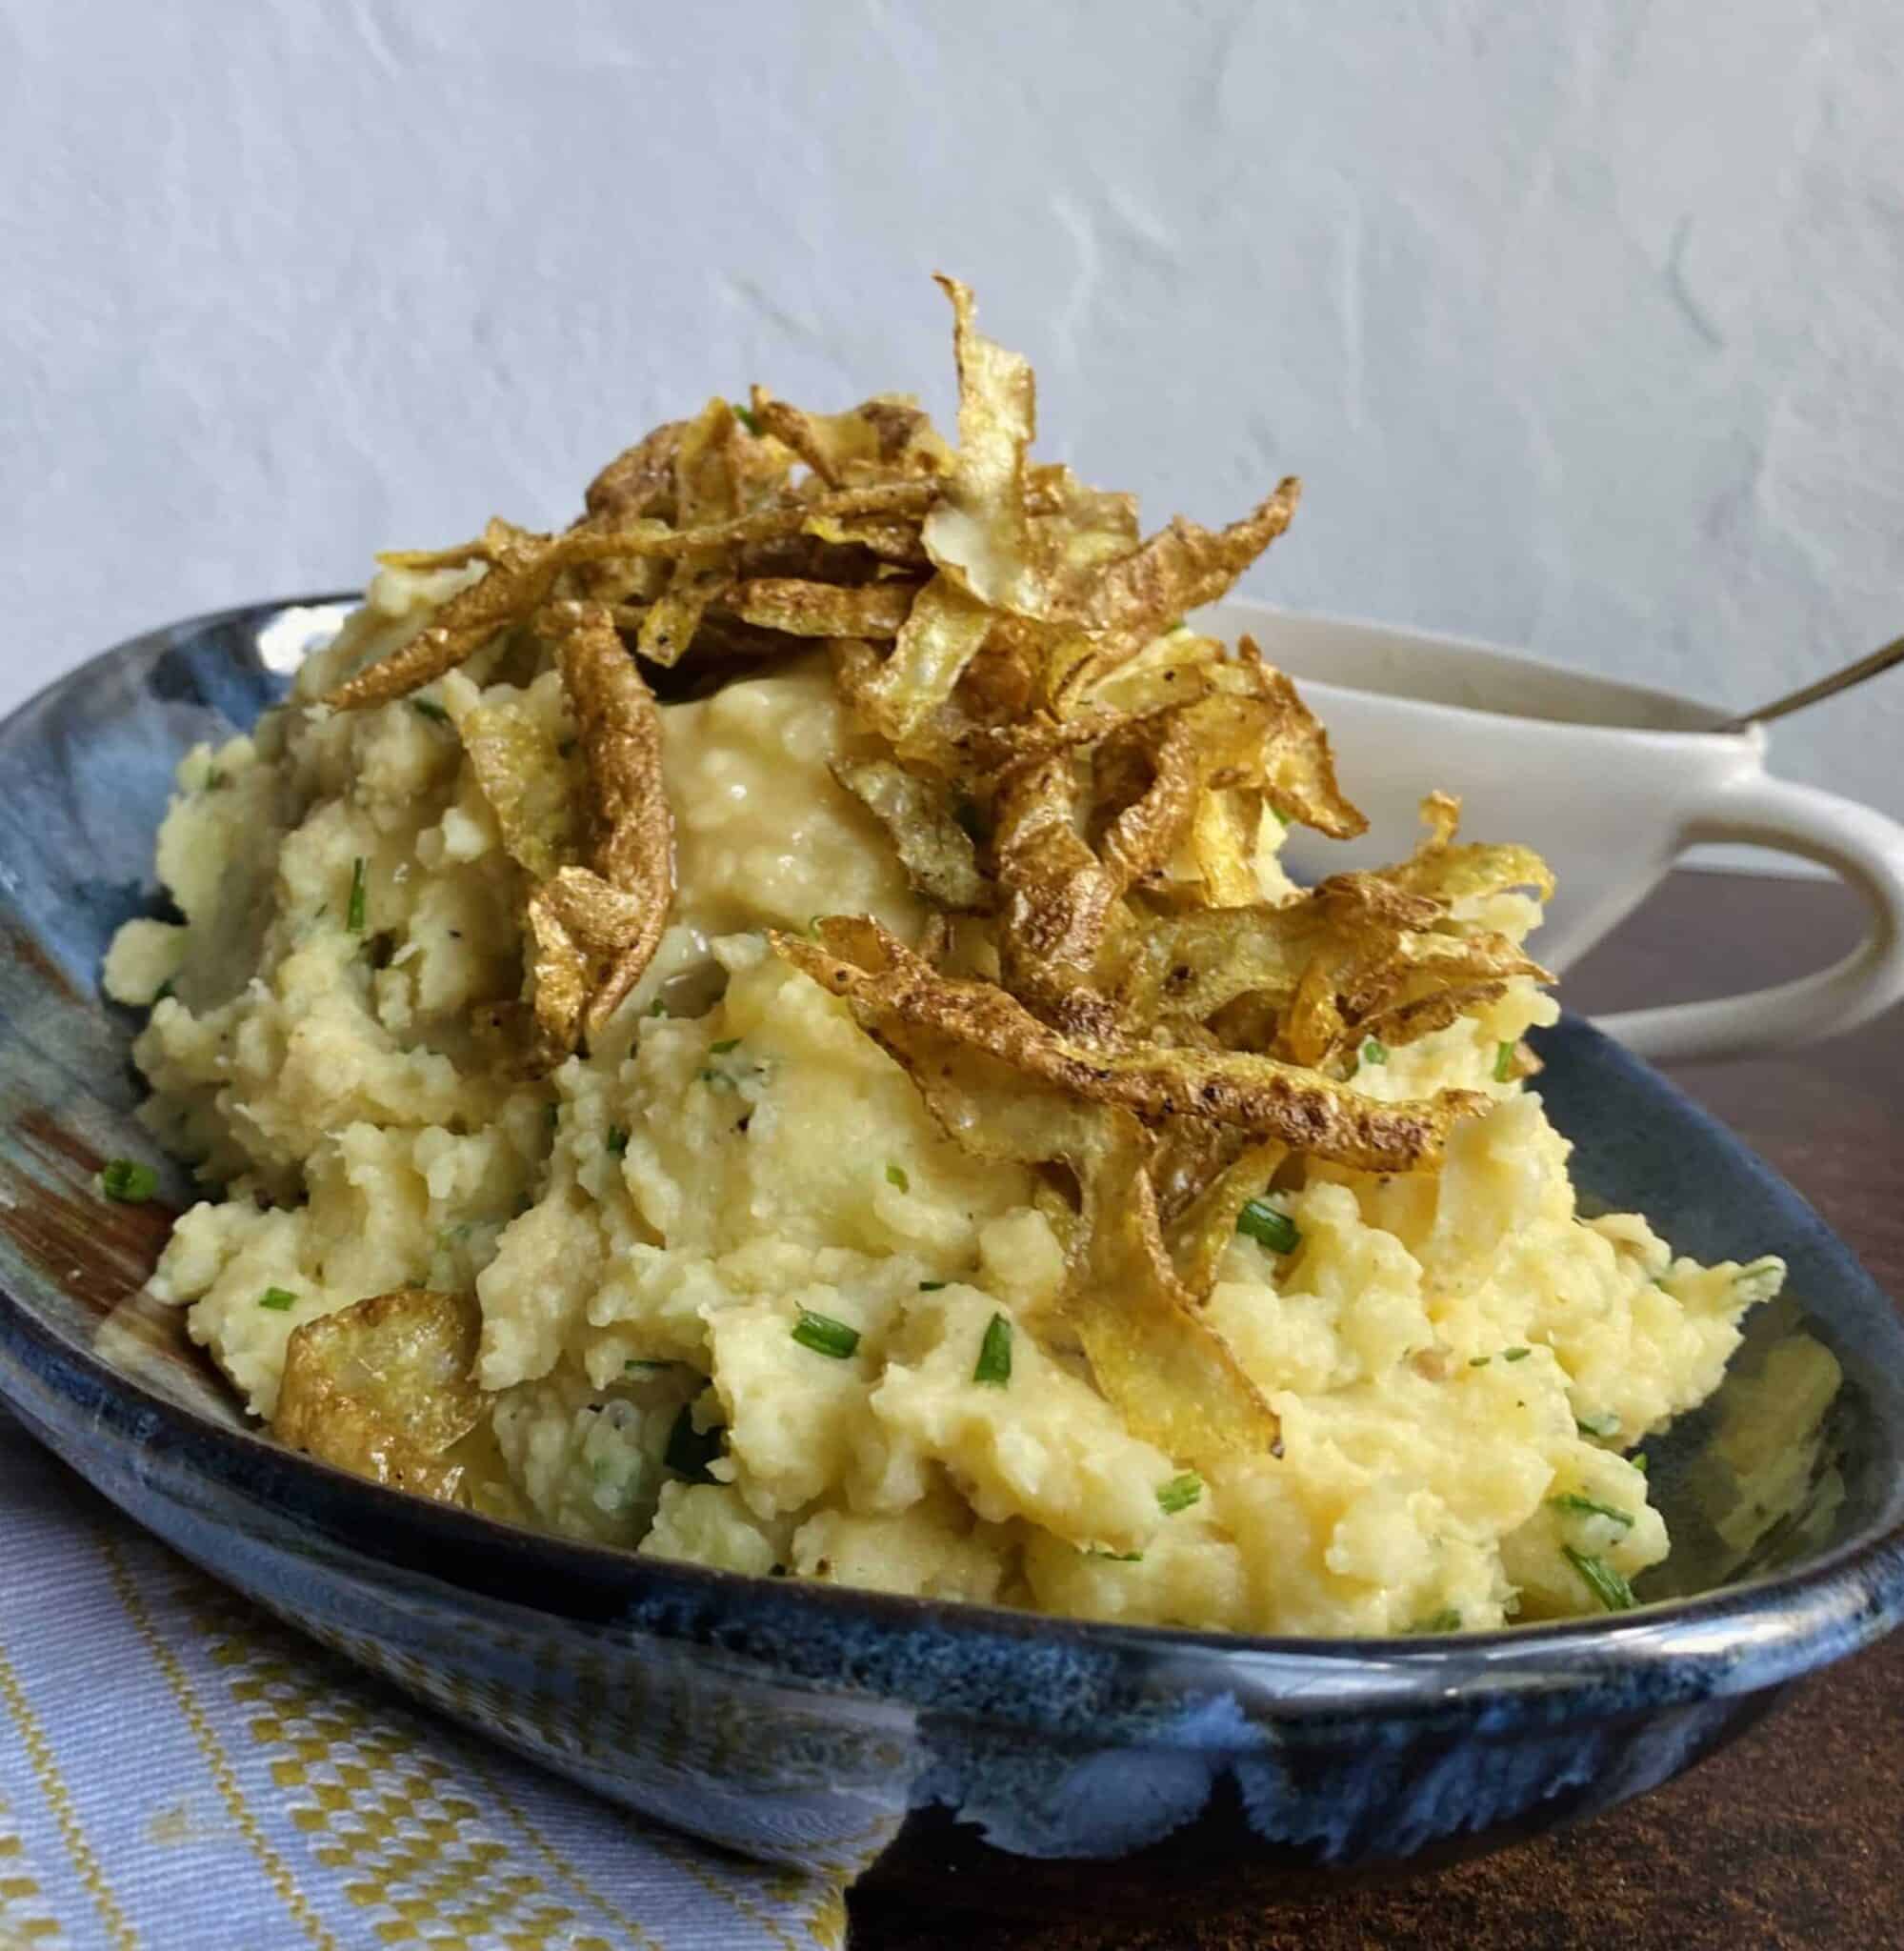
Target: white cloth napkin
{"x":179,"y":1770}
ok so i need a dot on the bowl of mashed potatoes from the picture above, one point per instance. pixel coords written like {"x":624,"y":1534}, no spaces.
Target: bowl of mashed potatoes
{"x":751,"y":1064}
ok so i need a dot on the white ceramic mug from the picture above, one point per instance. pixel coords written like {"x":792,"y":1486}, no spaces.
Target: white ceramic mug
{"x":1611,"y":782}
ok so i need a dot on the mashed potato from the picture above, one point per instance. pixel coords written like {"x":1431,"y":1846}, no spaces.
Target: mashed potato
{"x":1461,"y":1362}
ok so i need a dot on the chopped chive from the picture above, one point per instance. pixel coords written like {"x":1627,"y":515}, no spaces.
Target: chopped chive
{"x":554,"y":1113}
{"x":1638,"y":1461}
{"x":1516,"y":1354}
{"x":1284,"y":818}
{"x":1269,"y":1227}
{"x":931,"y":1286}
{"x":216,"y":778}
{"x":895,"y":1176}
{"x":722,"y":1048}
{"x":353,"y":914}
{"x":825,"y":1336}
{"x":749,"y":419}
{"x":127,"y":1181}
{"x":429,"y":707}
{"x":1591,"y":1507}
{"x":279,"y":1299}
{"x":1179,"y":1492}
{"x":691,"y":1450}
{"x":1607,"y":1425}
{"x":1503,"y":1063}
{"x":1600,"y":1579}
{"x":994,"y":1353}
{"x":1446,"y":1620}
{"x":1116,"y":1557}
{"x":657,"y":1008}
{"x":1375,"y":1051}
{"x":159,"y":995}
{"x":1479,"y":1360}
{"x":617,"y":1139}
{"x":644,"y":1365}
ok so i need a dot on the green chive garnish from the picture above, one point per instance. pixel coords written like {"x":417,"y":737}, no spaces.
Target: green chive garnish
{"x":691,"y":1450}
{"x":1600,"y":1579}
{"x":657,"y":1008}
{"x":429,"y":707}
{"x":1375,"y":1051}
{"x":127,"y":1181}
{"x":1265,"y":1224}
{"x":617,"y":1139}
{"x":749,"y":419}
{"x":353,"y":914}
{"x":280,"y":1299}
{"x":1516,"y":1354}
{"x":1590,"y":1507}
{"x":1503,"y":1063}
{"x":1117,"y":1558}
{"x":1602,"y":1426}
{"x":1179,"y":1492}
{"x":1479,"y":1360}
{"x":1638,"y":1461}
{"x":994,"y":1353}
{"x":722,"y":1048}
{"x":1446,"y":1620}
{"x":931,"y":1286}
{"x":644,"y":1365}
{"x":825,"y":1336}
{"x":895,"y":1176}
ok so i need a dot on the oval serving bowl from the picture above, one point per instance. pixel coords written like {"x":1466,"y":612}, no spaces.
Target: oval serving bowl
{"x":915,"y":1741}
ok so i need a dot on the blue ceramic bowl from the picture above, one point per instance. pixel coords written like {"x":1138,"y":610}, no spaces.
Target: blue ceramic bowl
{"x":819,"y":1726}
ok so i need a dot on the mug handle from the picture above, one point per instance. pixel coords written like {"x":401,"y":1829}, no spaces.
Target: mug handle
{"x":1859,"y":845}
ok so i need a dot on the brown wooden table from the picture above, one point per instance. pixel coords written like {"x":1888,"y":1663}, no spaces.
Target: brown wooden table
{"x":1794,"y":1836}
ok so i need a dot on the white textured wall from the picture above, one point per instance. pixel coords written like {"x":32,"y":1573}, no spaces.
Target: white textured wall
{"x":1584,"y":321}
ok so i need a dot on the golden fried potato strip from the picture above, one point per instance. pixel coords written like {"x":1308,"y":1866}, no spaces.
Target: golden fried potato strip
{"x":887,"y":983}
{"x":384,"y":1388}
{"x":1200,"y":1235}
{"x":1450,"y":873}
{"x":707,"y":495}
{"x":1059,"y":900}
{"x":522,"y":571}
{"x":890,"y":432}
{"x":1169,"y":1374}
{"x":807,"y":609}
{"x":1178,"y":569}
{"x":639,"y":483}
{"x":633,"y":842}
{"x":941,"y":635}
{"x":1158,"y":1361}
{"x":978,"y":535}
{"x":921,"y":818}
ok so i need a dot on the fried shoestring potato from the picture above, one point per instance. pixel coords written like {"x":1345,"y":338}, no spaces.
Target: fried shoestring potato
{"x":887,"y":984}
{"x":384,"y":1388}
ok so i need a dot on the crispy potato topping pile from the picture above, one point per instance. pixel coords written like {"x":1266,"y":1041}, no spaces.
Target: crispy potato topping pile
{"x":1075,"y":781}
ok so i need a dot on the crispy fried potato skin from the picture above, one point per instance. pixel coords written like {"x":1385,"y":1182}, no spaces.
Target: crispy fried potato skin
{"x":383,"y":1388}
